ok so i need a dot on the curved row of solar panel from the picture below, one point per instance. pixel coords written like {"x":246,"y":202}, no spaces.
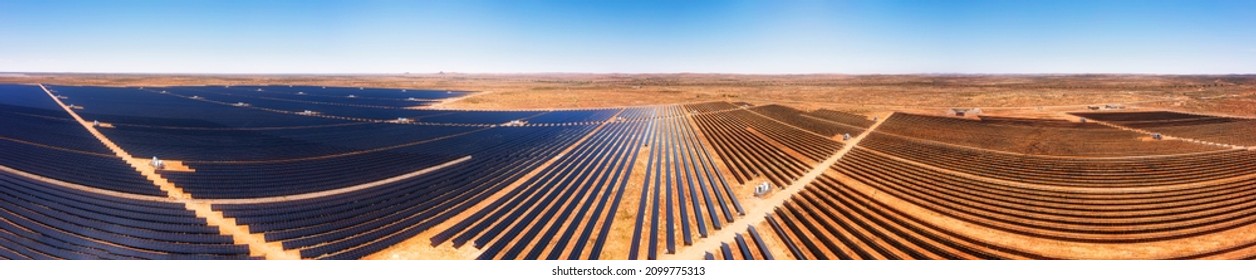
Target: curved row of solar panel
{"x":356,"y":224}
{"x":683,"y":187}
{"x":194,"y":145}
{"x":35,"y":140}
{"x":41,"y":221}
{"x":575,"y":191}
{"x":135,"y":106}
{"x":366,"y":92}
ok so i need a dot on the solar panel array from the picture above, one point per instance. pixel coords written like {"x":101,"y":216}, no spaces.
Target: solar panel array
{"x":349,"y":173}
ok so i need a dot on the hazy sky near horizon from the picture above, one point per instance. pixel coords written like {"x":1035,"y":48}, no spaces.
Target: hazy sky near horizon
{"x":484,"y":36}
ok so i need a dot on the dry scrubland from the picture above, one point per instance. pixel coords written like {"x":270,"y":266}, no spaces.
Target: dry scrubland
{"x":1232,"y":94}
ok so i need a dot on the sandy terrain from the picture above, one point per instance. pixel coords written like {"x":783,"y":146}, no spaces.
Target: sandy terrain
{"x":1045,"y":97}
{"x":1232,"y":94}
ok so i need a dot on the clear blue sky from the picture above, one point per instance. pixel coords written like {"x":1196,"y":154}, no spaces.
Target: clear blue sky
{"x":505,"y":36}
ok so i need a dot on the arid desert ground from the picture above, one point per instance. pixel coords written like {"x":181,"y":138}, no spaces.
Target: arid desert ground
{"x":627,"y":166}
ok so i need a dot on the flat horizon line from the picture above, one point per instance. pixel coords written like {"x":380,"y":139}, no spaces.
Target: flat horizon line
{"x":623,"y":73}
